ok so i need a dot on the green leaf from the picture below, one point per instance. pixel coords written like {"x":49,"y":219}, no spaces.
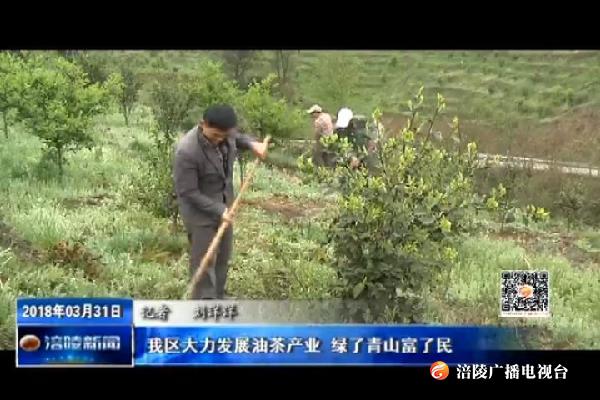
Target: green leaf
{"x":358,"y":289}
{"x":428,"y":220}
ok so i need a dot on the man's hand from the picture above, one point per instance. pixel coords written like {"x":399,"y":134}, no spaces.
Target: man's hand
{"x":260,"y":149}
{"x":226,"y":217}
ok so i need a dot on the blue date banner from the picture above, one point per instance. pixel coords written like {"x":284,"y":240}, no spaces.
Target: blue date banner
{"x":320,"y":345}
{"x":74,"y":345}
{"x":74,"y":311}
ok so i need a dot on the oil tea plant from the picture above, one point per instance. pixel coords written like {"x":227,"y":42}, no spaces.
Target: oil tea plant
{"x":155,"y":189}
{"x":571,"y":201}
{"x":501,"y":205}
{"x":128,"y":90}
{"x":535,"y":214}
{"x":58,"y":104}
{"x":10,"y":68}
{"x":264,"y":114}
{"x":397,"y":225}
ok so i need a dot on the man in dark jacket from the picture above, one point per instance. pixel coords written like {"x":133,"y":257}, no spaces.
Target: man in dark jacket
{"x":203,"y":175}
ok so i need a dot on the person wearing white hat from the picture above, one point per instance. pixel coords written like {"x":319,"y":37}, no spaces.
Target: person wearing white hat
{"x":323,"y":126}
{"x":344,"y":116}
{"x":342,"y":125}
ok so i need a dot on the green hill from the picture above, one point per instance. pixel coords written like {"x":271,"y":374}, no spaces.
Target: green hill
{"x":501,"y":96}
{"x":479,"y":85}
{"x":490,"y":86}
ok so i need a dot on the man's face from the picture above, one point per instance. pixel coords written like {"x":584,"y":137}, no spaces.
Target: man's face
{"x":215,"y":135}
{"x":315,"y":115}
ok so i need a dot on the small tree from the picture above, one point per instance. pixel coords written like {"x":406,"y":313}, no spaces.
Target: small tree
{"x":571,"y":201}
{"x":11,"y":69}
{"x":502,"y":205}
{"x":179,"y":100}
{"x":265,"y":114}
{"x":170,"y":102}
{"x":238,"y":63}
{"x":59,"y":105}
{"x":95,"y":64}
{"x":284,"y":64}
{"x":212,"y":86}
{"x":155,"y":188}
{"x":129,"y":89}
{"x":336,"y":80}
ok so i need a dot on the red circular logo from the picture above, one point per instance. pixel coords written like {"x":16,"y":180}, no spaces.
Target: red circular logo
{"x":439,"y":370}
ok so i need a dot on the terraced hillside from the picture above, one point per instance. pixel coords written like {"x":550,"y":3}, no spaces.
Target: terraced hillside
{"x":487,"y":86}
{"x":527,"y":103}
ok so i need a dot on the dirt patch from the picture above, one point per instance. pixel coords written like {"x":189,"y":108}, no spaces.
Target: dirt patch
{"x":567,"y":246}
{"x":525,"y":239}
{"x":572,"y":136}
{"x":162,"y":256}
{"x":559,"y":243}
{"x":76,"y":202}
{"x":542,"y":337}
{"x":532,"y":240}
{"x":286,"y":207}
{"x":75,"y":256}
{"x":22,"y":248}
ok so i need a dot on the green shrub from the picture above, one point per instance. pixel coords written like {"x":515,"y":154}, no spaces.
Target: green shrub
{"x":170,"y":102}
{"x":154,"y":189}
{"x":264,"y":114}
{"x":571,"y":200}
{"x":58,"y":104}
{"x":397,"y":225}
{"x":128,"y":90}
{"x":569,"y":97}
{"x":209,"y":85}
{"x":95,"y":64}
{"x":10,"y":75}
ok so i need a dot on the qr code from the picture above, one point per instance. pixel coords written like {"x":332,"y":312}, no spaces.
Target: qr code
{"x":525,"y":294}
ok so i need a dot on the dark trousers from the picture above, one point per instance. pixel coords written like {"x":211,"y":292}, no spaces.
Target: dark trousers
{"x":212,"y":284}
{"x":322,"y":157}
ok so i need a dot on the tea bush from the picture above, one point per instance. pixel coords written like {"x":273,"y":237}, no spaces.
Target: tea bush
{"x":397,"y":224}
{"x":57,"y":103}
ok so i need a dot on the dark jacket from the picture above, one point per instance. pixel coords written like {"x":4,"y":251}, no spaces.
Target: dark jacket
{"x":204,"y":189}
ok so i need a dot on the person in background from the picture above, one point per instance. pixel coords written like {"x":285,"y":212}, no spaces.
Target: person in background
{"x":323,"y":126}
{"x":344,"y":129}
{"x":342,"y":125}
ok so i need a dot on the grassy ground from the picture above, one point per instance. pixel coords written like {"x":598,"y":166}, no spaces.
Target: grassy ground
{"x":125,"y":251}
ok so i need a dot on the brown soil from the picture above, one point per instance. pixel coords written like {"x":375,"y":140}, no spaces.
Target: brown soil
{"x":63,"y":253}
{"x":19,"y":246}
{"x":286,"y":207}
{"x":162,"y":256}
{"x":76,"y":202}
{"x":573,"y":136}
{"x":524,"y":239}
{"x":563,"y":244}
{"x":76,"y":256}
